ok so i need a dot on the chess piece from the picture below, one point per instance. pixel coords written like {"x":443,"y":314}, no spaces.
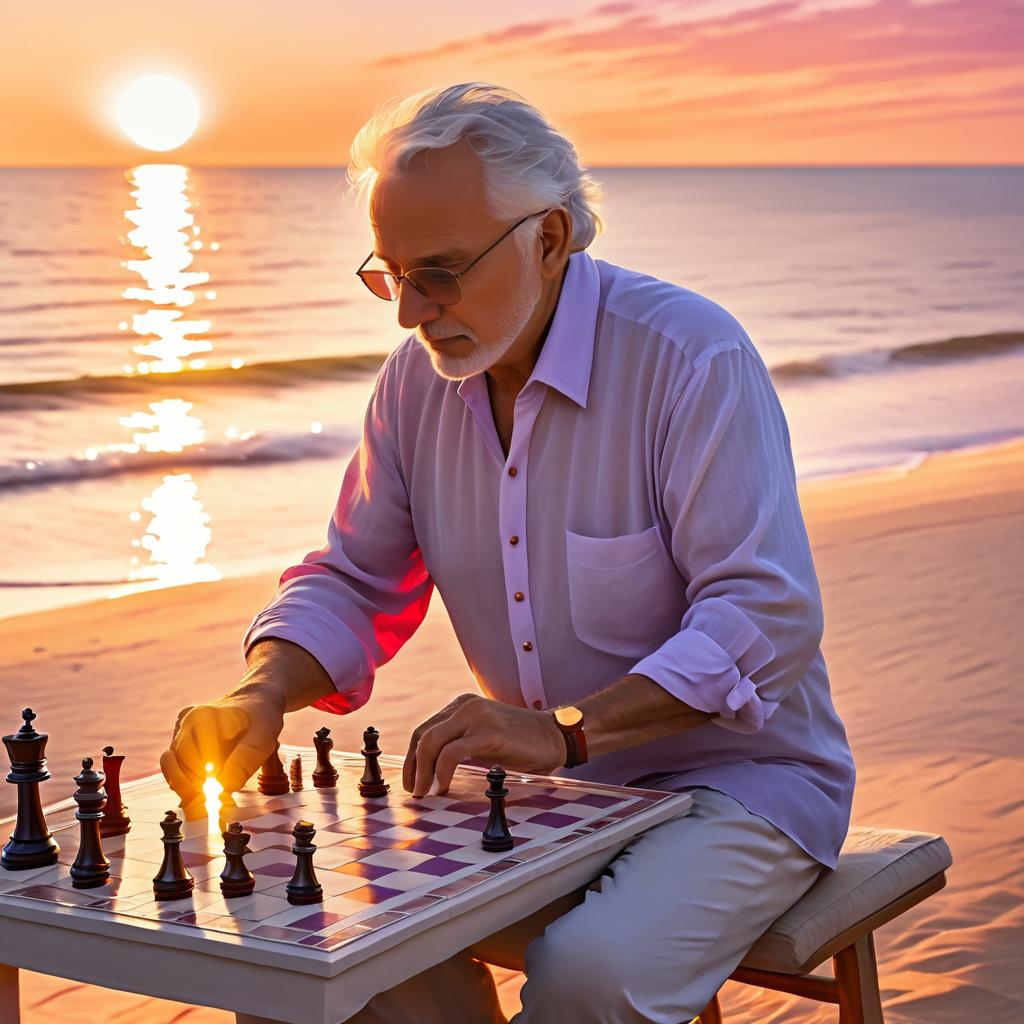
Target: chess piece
{"x":236,"y":879}
{"x":295,"y":771}
{"x":272,"y":780}
{"x":173,"y":881}
{"x":30,"y":845}
{"x":325,"y":775}
{"x":115,"y":821}
{"x":91,"y":867}
{"x":496,"y":836}
{"x":303,"y":887}
{"x":372,"y":783}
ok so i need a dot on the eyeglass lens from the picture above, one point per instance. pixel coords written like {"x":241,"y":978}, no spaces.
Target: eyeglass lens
{"x":436,"y":284}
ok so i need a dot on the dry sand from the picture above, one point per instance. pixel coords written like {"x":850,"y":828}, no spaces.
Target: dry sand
{"x":923,"y":584}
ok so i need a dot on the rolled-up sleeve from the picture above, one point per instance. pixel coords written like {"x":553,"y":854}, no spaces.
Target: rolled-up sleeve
{"x":354,"y":602}
{"x":754,"y":618}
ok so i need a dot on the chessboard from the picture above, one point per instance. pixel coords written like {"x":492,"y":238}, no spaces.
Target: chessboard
{"x":389,"y":866}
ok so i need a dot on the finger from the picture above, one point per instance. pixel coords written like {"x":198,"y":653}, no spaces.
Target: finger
{"x":180,"y":781}
{"x":430,"y":746}
{"x":248,"y":755}
{"x":451,"y":756}
{"x":177,"y":722}
{"x":207,"y":735}
{"x":409,"y":765}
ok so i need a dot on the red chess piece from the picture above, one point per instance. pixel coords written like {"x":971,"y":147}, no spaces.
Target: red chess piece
{"x":115,"y":821}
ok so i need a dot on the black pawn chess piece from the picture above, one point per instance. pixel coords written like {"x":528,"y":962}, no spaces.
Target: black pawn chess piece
{"x":91,"y":867}
{"x":372,"y":783}
{"x":236,"y":879}
{"x":115,"y":821}
{"x":303,"y":887}
{"x":325,"y":775}
{"x":30,"y":845}
{"x":295,"y":773}
{"x":173,"y":881}
{"x":272,"y":779}
{"x":496,"y":836}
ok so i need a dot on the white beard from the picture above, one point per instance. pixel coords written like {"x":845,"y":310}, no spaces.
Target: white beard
{"x":509,"y":326}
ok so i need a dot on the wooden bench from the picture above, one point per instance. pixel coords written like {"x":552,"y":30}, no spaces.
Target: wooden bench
{"x":881,"y":873}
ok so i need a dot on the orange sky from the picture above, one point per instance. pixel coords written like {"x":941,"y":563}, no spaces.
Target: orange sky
{"x":685,"y":82}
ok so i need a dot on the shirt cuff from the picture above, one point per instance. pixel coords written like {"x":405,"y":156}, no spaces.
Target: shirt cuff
{"x":709,"y":665}
{"x":332,"y":643}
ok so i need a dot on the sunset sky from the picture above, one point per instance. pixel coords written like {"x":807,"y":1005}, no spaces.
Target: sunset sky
{"x":691,"y":82}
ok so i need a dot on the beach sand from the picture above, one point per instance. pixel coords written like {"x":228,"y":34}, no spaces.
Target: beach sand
{"x":922,"y":584}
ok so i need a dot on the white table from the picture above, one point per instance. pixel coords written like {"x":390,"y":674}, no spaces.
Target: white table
{"x":265,"y":980}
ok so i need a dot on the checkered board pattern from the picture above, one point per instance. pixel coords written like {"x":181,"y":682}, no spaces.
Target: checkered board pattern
{"x":379,"y":860}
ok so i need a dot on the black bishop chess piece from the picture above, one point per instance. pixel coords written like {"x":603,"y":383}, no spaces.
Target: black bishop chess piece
{"x":325,"y":775}
{"x":173,"y":881}
{"x":236,"y":879}
{"x":372,"y":783}
{"x":496,"y":836}
{"x":115,"y":819}
{"x":304,"y":887}
{"x":30,"y":845}
{"x":91,"y":867}
{"x":272,"y":780}
{"x":295,"y":774}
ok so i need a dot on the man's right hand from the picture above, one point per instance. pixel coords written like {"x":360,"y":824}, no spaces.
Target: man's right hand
{"x":235,"y":735}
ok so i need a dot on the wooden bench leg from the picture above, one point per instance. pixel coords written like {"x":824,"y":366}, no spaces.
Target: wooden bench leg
{"x":712,"y":1013}
{"x":857,"y":982}
{"x":10,"y":1005}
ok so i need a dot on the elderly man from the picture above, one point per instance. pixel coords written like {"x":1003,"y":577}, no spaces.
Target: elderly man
{"x":592,"y":467}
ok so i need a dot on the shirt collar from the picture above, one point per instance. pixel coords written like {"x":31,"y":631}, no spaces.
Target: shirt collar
{"x":568,"y":351}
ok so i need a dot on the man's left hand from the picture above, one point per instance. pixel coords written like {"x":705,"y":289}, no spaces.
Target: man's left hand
{"x":473,"y":726}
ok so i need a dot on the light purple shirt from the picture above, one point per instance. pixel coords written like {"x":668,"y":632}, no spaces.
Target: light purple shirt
{"x":646,"y":520}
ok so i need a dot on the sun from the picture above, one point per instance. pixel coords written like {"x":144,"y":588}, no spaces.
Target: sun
{"x":158,"y":112}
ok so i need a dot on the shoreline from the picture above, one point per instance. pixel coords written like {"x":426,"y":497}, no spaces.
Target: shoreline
{"x":61,"y":595}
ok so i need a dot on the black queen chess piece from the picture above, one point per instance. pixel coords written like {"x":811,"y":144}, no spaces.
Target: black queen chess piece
{"x":325,"y":775}
{"x":236,"y":879}
{"x":496,"y":837}
{"x":372,"y":783}
{"x":115,"y":819}
{"x":173,"y":881}
{"x":91,"y":867}
{"x":304,"y":887}
{"x":30,"y":845}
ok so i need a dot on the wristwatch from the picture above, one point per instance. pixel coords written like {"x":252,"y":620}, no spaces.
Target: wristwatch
{"x":570,"y":721}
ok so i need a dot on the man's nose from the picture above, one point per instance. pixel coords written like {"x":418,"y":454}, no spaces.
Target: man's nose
{"x":414,"y":308}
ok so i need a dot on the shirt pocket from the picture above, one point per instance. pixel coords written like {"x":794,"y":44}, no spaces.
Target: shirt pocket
{"x":626,"y":596}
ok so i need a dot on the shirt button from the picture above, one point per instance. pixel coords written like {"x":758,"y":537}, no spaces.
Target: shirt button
{"x":512,"y":470}
{"x":513,"y":539}
{"x":538,"y":704}
{"x":518,"y":595}
{"x":527,"y":646}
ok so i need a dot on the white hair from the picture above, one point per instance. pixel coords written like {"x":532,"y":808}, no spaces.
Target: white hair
{"x":528,"y":165}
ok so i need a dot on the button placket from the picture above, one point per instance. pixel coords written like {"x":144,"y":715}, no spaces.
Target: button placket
{"x":512,"y":524}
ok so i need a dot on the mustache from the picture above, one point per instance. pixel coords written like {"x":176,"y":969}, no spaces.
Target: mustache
{"x":439,"y":336}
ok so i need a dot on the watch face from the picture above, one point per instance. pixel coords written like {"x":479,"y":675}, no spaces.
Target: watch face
{"x":568,"y":716}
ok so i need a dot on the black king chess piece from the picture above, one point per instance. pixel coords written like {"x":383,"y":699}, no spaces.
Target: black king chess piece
{"x":325,"y":775}
{"x":272,"y":780}
{"x":173,"y":881}
{"x":91,"y":867}
{"x":30,"y":845}
{"x":303,"y":887}
{"x":497,"y":836}
{"x":236,"y":879}
{"x":115,"y":821}
{"x":372,"y":783}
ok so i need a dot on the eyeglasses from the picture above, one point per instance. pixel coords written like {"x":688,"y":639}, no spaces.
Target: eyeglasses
{"x":438,"y":285}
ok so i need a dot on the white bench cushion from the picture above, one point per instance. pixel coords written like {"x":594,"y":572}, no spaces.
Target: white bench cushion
{"x":876,"y":866}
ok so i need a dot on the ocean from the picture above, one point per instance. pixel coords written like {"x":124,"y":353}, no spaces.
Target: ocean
{"x":186,"y":354}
